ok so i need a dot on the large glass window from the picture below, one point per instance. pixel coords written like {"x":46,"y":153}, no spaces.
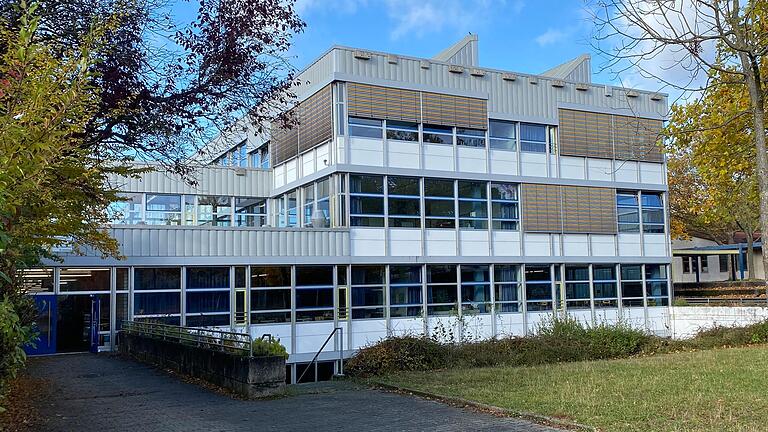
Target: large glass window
{"x":475,"y":289}
{"x":84,"y":279}
{"x":577,"y":287}
{"x":250,"y":212}
{"x":402,"y":131}
{"x":404,"y":205}
{"x":503,"y":135}
{"x":656,"y":288}
{"x":505,"y":206}
{"x":533,"y":138}
{"x":441,"y":289}
{"x":270,"y":294}
{"x":157,"y":293}
{"x":365,"y":128}
{"x":653,"y":213}
{"x":470,"y":137}
{"x":538,"y":287}
{"x":506,"y":288}
{"x":367,"y":292}
{"x":473,"y":205}
{"x":366,"y":200}
{"x":439,"y":205}
{"x":321,"y":216}
{"x":314,"y":293}
{"x":292,"y":208}
{"x":163,"y":209}
{"x":126,"y":211}
{"x":604,"y":280}
{"x":438,"y":134}
{"x":405,"y":291}
{"x":308,"y":193}
{"x":214,"y":210}
{"x":207,"y":296}
{"x":628,"y":212}
{"x":632,"y":285}
{"x":37,"y":280}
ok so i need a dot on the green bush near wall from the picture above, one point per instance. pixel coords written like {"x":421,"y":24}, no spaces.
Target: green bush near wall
{"x":559,"y":339}
{"x":13,"y":337}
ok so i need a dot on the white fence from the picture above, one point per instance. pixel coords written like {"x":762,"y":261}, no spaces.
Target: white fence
{"x":687,"y":321}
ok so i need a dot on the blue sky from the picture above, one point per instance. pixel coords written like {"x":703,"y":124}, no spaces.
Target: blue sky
{"x":527,"y":36}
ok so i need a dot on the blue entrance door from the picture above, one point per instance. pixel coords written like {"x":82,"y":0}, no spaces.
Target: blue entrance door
{"x":45,"y":326}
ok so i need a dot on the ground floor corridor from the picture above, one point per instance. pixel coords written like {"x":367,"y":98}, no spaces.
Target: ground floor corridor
{"x":103,"y":392}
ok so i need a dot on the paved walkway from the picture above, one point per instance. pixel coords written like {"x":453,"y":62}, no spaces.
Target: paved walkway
{"x":106,"y":393}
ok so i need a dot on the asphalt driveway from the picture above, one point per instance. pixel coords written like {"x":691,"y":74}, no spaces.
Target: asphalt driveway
{"x":107,"y":393}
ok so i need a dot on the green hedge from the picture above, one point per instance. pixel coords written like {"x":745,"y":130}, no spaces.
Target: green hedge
{"x":14,"y":335}
{"x":561,"y":339}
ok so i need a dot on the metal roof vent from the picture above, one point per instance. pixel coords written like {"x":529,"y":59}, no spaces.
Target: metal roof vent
{"x":632,"y":94}
{"x":657,"y":96}
{"x":533,"y":80}
{"x":477,"y":72}
{"x":558,"y":84}
{"x":363,"y":55}
{"x":455,"y":69}
{"x":425,"y":64}
{"x":508,"y":77}
{"x":582,"y":87}
{"x":392,"y":59}
{"x":608,"y":91}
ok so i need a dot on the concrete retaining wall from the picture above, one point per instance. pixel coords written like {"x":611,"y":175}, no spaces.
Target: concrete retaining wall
{"x":687,"y":321}
{"x":251,"y":377}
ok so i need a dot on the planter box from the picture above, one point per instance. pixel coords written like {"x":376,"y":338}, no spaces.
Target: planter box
{"x":252,"y":377}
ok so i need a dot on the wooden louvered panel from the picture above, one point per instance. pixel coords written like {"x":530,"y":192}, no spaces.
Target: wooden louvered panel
{"x":284,"y":143}
{"x":636,"y":138}
{"x":459,"y":111}
{"x":589,"y":210}
{"x":541,"y":209}
{"x":383,"y":102}
{"x":585,"y":134}
{"x":315,"y":119}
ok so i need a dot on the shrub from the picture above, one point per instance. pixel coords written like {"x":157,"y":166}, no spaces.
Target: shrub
{"x":402,"y":353}
{"x":268,"y":347}
{"x":13,"y":337}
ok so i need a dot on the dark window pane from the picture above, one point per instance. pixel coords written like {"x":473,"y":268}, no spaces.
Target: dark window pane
{"x":475,"y":273}
{"x":366,"y":205}
{"x":440,"y":223}
{"x":652,"y":200}
{"x":207,"y":301}
{"x":404,"y":207}
{"x":77,"y":279}
{"x":207,"y":320}
{"x":475,"y":293}
{"x":538,"y":291}
{"x":402,"y":295}
{"x":314,"y":298}
{"x":403,"y":186}
{"x":631,"y":272}
{"x":157,"y":279}
{"x":366,"y":184}
{"x":367,"y":221}
{"x":270,"y":276}
{"x":404,"y":274}
{"x":626,"y":199}
{"x":207,"y":277}
{"x":506,"y":292}
{"x":472,"y":189}
{"x":505,"y":273}
{"x":537,"y":273}
{"x":473,"y":209}
{"x":438,"y":188}
{"x":605,"y":289}
{"x":441,"y":293}
{"x":364,"y":121}
{"x":631,"y":289}
{"x":367,"y":275}
{"x":441,"y":274}
{"x":314,"y":275}
{"x":367,"y":313}
{"x":655,"y":271}
{"x":656,"y":289}
{"x":157,"y":303}
{"x":504,"y":191}
{"x":440,"y":208}
{"x":367,"y":296}
{"x":270,"y":299}
{"x":577,"y":290}
{"x":576,"y":273}
{"x":604,"y":272}
{"x":404,"y":222}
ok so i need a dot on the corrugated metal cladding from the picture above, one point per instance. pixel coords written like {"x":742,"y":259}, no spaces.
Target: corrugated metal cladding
{"x":591,"y":134}
{"x":414,"y":106}
{"x":210,"y":180}
{"x":515,"y":98}
{"x":315,"y":126}
{"x":216,"y":242}
{"x":568,"y":209}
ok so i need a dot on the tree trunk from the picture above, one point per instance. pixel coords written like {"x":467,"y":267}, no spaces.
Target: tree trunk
{"x":754,"y":83}
{"x":750,"y":257}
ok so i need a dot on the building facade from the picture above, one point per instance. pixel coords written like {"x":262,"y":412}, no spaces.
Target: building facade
{"x":414,"y":196}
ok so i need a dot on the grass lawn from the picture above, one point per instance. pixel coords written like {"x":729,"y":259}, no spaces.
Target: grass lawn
{"x":714,"y":390}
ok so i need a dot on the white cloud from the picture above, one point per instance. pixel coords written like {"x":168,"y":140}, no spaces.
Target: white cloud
{"x":550,"y":36}
{"x":416,"y":18}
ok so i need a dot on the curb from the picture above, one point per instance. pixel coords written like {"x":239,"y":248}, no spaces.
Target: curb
{"x":503,"y":412}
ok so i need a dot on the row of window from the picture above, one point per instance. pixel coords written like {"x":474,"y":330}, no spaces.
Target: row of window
{"x":239,"y":157}
{"x":168,"y":209}
{"x":693,"y":264}
{"x":501,"y":134}
{"x":316,"y":293}
{"x":634,"y":207}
